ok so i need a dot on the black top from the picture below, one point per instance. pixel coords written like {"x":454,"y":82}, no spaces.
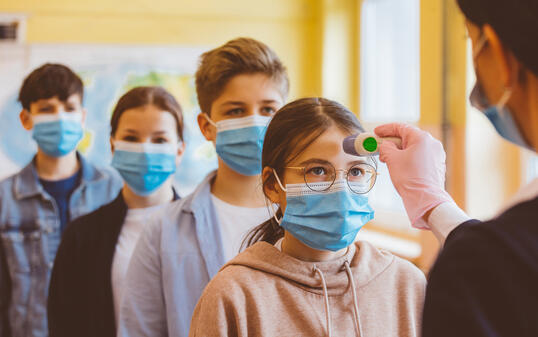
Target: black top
{"x":61,"y":191}
{"x":485,"y":280}
{"x":80,"y":299}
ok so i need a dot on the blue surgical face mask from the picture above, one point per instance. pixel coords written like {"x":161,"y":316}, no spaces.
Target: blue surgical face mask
{"x":144,"y":166}
{"x":57,"y":134}
{"x":240,"y":141}
{"x":328,"y":220}
{"x":498,"y":114}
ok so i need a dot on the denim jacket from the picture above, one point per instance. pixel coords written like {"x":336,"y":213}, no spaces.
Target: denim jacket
{"x":29,"y":237}
{"x":176,"y":256}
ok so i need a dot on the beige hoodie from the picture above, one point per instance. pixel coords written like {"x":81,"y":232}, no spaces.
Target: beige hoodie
{"x":264,"y":292}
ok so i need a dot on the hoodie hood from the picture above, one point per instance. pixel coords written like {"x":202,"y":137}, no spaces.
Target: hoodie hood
{"x":365,"y":261}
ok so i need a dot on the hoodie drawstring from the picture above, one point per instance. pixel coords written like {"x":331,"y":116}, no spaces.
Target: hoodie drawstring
{"x":326,"y":294}
{"x":357,"y":318}
{"x":355,"y":302}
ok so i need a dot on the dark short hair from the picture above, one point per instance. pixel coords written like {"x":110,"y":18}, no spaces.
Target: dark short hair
{"x":48,"y":81}
{"x":236,"y":57}
{"x":141,"y":96}
{"x":515,"y":21}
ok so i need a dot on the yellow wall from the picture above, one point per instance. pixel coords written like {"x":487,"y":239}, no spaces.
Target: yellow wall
{"x":340,"y":51}
{"x":291,"y":27}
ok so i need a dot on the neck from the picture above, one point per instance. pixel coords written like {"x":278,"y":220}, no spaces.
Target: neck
{"x":56,"y":168}
{"x":162,"y":195}
{"x":237,"y":189}
{"x":295,"y":248}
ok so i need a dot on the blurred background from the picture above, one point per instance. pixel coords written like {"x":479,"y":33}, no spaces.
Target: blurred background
{"x":387,"y":60}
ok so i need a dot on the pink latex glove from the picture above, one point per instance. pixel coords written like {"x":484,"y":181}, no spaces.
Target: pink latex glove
{"x":417,"y":170}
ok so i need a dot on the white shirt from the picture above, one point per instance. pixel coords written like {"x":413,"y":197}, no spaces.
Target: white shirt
{"x":133,"y":224}
{"x":236,"y":222}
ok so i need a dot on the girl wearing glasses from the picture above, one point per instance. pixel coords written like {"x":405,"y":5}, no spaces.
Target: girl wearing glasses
{"x":303,"y":274}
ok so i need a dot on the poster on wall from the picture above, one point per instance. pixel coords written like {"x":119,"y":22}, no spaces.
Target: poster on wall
{"x":107,"y":72}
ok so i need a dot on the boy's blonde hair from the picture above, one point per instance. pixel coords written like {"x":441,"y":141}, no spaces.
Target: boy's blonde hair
{"x":239,"y":56}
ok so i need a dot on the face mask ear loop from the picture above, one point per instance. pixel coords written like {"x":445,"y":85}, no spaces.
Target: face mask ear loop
{"x":278,"y":221}
{"x":278,"y":181}
{"x":504,"y":99}
{"x":479,"y":46}
{"x":283,"y":189}
{"x":209,"y":119}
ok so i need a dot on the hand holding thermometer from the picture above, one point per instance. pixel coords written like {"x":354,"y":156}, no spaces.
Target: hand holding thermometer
{"x":366,"y":144}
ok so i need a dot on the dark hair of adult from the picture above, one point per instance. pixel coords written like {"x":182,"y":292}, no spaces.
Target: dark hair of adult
{"x":141,"y":96}
{"x":293,"y":128}
{"x":515,"y":21}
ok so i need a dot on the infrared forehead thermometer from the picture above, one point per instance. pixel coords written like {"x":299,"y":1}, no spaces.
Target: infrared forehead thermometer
{"x":366,"y":144}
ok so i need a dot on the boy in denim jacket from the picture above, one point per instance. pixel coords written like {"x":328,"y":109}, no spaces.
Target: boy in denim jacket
{"x":36,"y":203}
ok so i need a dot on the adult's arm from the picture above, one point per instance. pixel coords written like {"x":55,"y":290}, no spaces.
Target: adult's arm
{"x":445,"y":218}
{"x":417,"y":170}
{"x":473,"y":290}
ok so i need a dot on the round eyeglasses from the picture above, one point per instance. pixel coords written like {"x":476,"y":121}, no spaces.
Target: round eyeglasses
{"x":360,"y":177}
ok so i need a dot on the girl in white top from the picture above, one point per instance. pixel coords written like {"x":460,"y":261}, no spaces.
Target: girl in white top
{"x":90,"y":267}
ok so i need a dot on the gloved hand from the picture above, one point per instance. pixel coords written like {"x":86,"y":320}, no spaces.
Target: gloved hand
{"x":417,"y":170}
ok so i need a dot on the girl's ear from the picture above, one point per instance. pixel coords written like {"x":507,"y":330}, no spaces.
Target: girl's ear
{"x":270,"y":185}
{"x":111,"y":145}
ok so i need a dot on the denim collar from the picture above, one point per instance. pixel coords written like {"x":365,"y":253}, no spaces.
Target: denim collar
{"x":200,"y":197}
{"x":27,"y":183}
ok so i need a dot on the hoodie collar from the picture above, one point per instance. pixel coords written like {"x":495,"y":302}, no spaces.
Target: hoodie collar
{"x":199,"y":197}
{"x":365,"y":261}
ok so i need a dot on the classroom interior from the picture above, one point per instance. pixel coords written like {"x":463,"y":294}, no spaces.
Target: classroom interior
{"x":386,"y":60}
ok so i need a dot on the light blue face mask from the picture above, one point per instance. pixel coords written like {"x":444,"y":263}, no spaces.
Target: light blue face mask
{"x":499,"y":114}
{"x":144,"y":166}
{"x":328,"y":220}
{"x":57,"y":134}
{"x":240,"y":141}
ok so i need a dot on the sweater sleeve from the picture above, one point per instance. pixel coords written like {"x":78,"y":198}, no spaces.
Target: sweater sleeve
{"x":63,"y":293}
{"x":143,"y":308}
